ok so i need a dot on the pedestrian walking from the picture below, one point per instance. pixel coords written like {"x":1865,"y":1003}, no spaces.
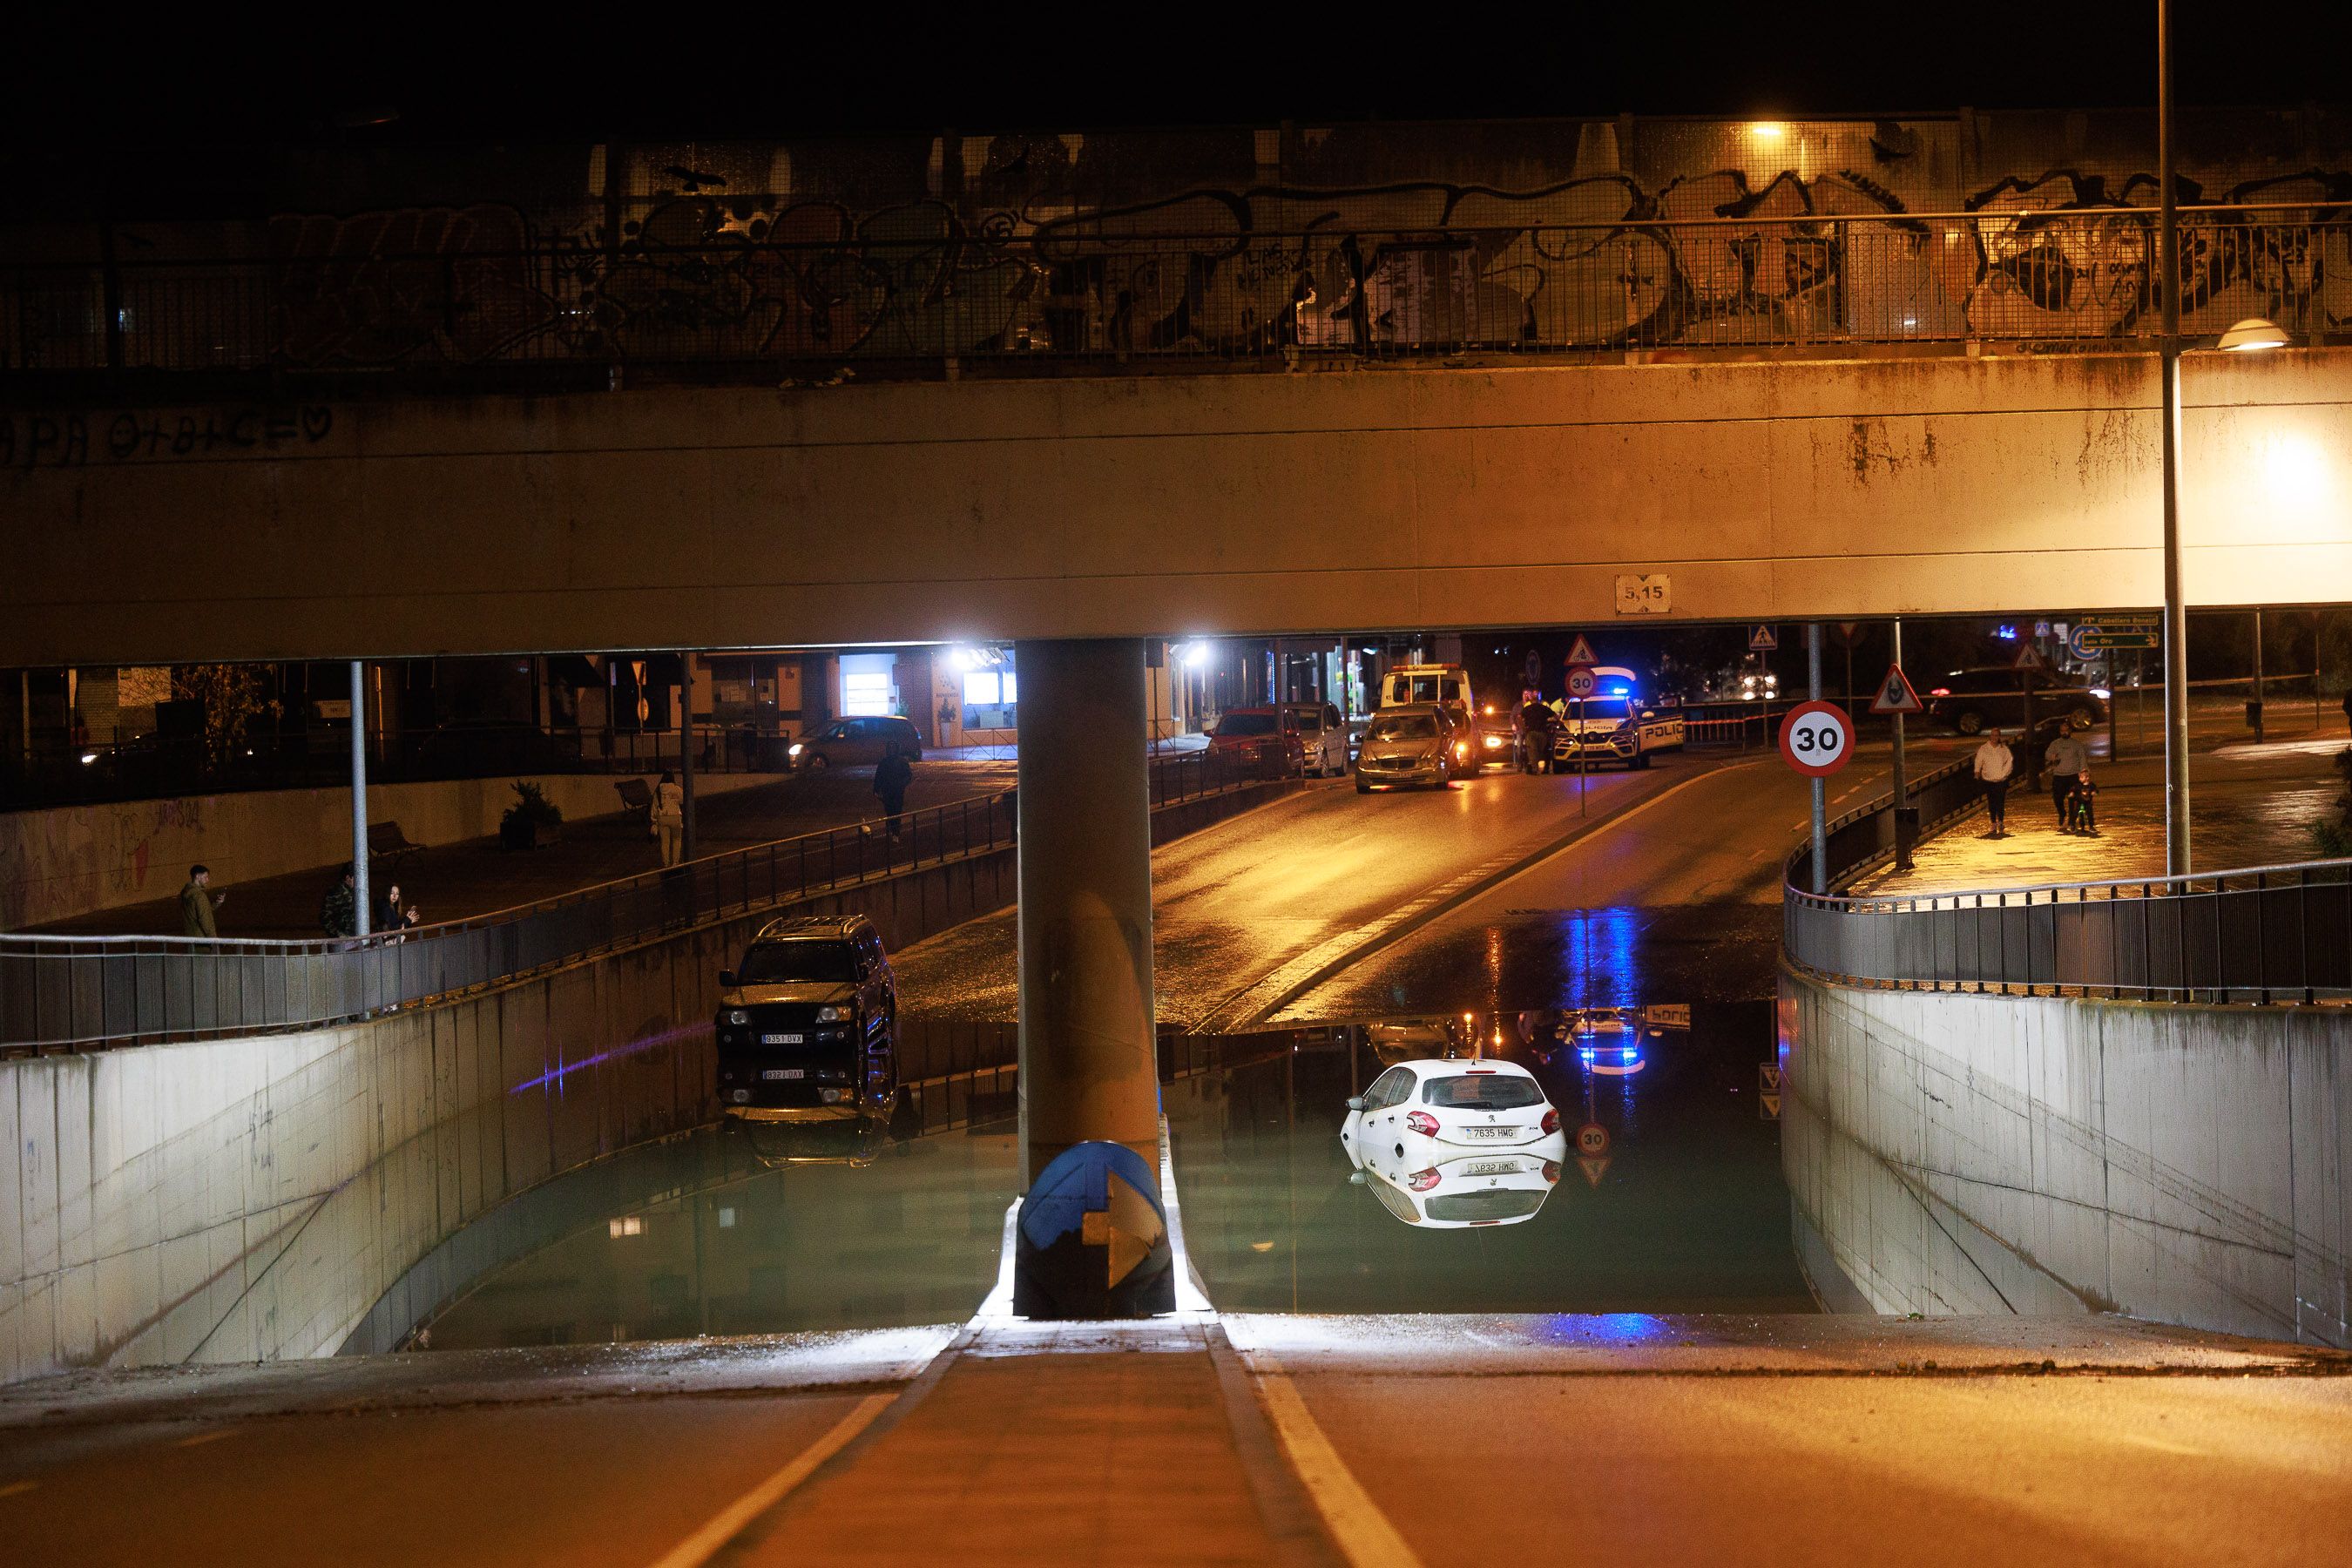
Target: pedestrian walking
{"x":1535,"y":734}
{"x":669,"y":817}
{"x":339,"y":912}
{"x":2069,"y":759}
{"x":199,"y":904}
{"x":1994,"y":763}
{"x":892,"y":775}
{"x":2082,"y":811}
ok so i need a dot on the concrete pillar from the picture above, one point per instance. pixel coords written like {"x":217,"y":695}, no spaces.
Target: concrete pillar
{"x":1089,"y":1069}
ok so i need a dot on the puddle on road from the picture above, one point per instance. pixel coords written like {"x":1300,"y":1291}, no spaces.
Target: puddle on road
{"x":752,"y":1227}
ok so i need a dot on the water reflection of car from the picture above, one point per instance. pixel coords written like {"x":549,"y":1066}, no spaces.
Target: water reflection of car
{"x":1408,"y":1040}
{"x":804,"y":1022}
{"x":1418,"y":744}
{"x":778,"y":1138}
{"x":1451,"y":1144}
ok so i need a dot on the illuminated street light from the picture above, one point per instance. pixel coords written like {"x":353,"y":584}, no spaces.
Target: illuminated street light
{"x":2251,"y":333}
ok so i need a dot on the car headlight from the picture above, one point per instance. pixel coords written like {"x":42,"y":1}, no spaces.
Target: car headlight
{"x":793,"y":749}
{"x":738,"y":1015}
{"x":833,"y":1014}
{"x":1494,"y":743}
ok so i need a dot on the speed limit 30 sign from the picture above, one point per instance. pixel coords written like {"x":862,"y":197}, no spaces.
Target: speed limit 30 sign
{"x":1817,"y":739}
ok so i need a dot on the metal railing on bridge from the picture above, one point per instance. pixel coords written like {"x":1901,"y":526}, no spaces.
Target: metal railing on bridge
{"x":1086,"y":290}
{"x":2264,"y":934}
{"x":71,"y":991}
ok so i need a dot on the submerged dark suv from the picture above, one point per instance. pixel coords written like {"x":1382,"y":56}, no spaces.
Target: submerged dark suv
{"x":805,"y":1022}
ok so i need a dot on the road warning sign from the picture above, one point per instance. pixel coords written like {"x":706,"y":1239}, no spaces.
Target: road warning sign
{"x":2029,"y":657}
{"x":1768,"y":1077}
{"x":1768,"y":1108}
{"x":1763,"y":640}
{"x":1593,"y":1170}
{"x":1895,"y":694}
{"x":1580,"y":654}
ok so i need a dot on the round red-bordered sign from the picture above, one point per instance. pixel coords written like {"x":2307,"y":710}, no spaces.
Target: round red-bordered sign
{"x":1592,"y":1139}
{"x":1817,"y":739}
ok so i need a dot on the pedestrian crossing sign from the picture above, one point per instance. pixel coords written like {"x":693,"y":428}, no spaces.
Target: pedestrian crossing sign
{"x":1895,"y":694}
{"x":1763,"y":640}
{"x":1580,"y":654}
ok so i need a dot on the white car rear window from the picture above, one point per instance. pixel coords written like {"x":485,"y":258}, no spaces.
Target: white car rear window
{"x":1481,"y":1091}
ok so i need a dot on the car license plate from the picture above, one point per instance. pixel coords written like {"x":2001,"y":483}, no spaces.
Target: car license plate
{"x":1490,"y":1132}
{"x":785,"y":1072}
{"x":1490,"y":1167}
{"x":782,"y":1039}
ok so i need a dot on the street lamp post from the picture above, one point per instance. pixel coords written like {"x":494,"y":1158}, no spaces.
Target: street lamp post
{"x":2176,"y":610}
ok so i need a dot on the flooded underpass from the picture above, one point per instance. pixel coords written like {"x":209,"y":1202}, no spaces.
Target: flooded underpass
{"x":1657,"y":1189}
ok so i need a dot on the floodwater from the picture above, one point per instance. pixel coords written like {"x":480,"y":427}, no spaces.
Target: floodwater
{"x":1667,"y":1198}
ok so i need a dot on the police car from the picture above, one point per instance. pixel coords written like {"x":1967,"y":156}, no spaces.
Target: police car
{"x":1613,"y":725}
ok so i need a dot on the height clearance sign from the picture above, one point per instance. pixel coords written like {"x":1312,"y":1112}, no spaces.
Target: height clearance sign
{"x":1817,"y":739}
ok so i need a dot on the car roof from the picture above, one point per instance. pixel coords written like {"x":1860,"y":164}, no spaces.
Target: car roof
{"x":812,"y":928}
{"x":1431,"y":1067}
{"x":1261,"y":708}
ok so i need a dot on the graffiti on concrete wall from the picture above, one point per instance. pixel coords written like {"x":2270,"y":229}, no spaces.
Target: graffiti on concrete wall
{"x":1019,"y":264}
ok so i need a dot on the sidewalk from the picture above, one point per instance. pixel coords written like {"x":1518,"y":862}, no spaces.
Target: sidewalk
{"x":2251,"y":805}
{"x":453,"y":881}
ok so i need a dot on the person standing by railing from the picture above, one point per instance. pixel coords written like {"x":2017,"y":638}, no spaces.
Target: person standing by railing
{"x":199,"y":904}
{"x":892,"y":775}
{"x":669,"y":817}
{"x":1994,"y":763}
{"x":339,"y":912}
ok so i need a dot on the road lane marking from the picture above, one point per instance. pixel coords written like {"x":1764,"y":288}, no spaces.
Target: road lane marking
{"x":700,"y":1547}
{"x":15,"y":1488}
{"x":202,"y":1437}
{"x":1358,"y":1526}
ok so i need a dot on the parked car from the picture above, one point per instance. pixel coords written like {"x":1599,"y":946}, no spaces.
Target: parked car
{"x":856,"y":742}
{"x":1971,"y":699}
{"x":1415,"y":744}
{"x":1267,"y":740}
{"x":1322,"y":737}
{"x":807,"y":1021}
{"x":1447,"y":685}
{"x":1499,"y":741}
{"x":1451,"y":1144}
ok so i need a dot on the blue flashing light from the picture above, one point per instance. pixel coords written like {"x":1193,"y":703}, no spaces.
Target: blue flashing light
{"x":1626,"y":1055}
{"x":2006,"y":634}
{"x":1618,"y":692}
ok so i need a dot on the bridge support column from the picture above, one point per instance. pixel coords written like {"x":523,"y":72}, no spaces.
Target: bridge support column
{"x":1089,"y":1069}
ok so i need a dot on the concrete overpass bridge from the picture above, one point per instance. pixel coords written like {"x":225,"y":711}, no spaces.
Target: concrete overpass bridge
{"x":1406,"y":496}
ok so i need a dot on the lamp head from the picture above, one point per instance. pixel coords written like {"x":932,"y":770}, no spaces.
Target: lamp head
{"x":2253,"y":332}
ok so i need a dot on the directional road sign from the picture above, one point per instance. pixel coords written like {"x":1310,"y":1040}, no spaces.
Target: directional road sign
{"x":1895,"y":694}
{"x":1817,"y":739}
{"x":1763,"y":640}
{"x":1581,"y":653}
{"x":2141,"y":630}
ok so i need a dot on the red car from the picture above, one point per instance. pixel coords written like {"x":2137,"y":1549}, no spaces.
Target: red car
{"x":1267,"y":740}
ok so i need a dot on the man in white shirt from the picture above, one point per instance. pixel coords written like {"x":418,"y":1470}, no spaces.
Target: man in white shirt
{"x":1994,"y":763}
{"x":2069,"y":759}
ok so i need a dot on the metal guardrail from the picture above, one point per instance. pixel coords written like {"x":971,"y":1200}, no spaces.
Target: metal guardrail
{"x":1084,"y":289}
{"x":2263,"y":934}
{"x":71,"y":991}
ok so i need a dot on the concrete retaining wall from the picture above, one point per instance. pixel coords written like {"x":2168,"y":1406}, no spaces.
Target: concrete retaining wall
{"x":2046,"y":1155}
{"x":250,"y":1199}
{"x":57,"y":863}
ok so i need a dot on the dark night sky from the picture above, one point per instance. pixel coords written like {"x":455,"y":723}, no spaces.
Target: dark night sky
{"x":688,"y":70}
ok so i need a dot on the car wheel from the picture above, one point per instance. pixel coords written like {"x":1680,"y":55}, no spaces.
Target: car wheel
{"x":1361,"y":787}
{"x":2086,"y":717}
{"x":1968,"y":721}
{"x":815,"y":763}
{"x":1641,"y":759}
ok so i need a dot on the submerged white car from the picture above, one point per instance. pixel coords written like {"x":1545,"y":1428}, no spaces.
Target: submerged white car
{"x":1454,"y":1144}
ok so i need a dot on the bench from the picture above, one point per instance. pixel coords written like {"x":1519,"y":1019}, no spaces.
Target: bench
{"x":388,"y":842}
{"x":637,"y":799}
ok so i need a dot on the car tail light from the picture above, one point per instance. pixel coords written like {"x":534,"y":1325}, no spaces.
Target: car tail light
{"x":1422,"y":1181}
{"x":1552,"y":1171}
{"x":1940,"y":691}
{"x":1423,"y":1123}
{"x":1551,"y":1121}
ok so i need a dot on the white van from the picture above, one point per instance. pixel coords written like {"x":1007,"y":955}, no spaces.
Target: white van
{"x":1446,"y":684}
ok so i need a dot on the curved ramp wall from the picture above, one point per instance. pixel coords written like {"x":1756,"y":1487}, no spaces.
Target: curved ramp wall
{"x":1951,"y":1153}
